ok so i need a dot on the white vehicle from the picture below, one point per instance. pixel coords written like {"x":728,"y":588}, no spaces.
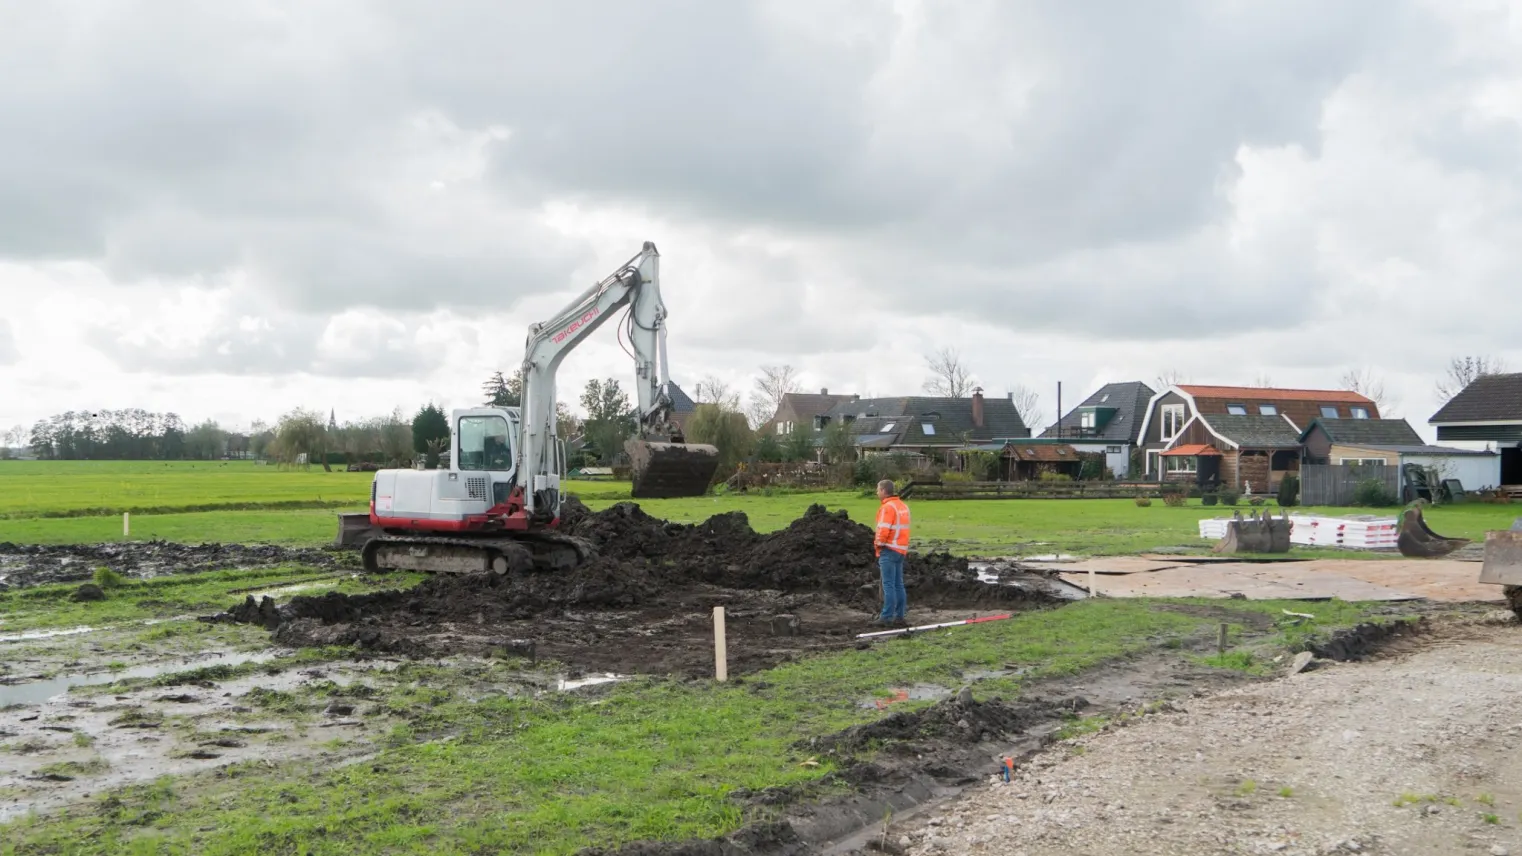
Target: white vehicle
{"x":497,"y":507}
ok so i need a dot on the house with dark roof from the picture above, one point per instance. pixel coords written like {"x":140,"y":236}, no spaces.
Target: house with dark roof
{"x":1393,"y":442}
{"x":682,"y":404}
{"x":1240,"y":436}
{"x":925,"y":425}
{"x":797,"y":408}
{"x":1108,"y":422}
{"x":1488,"y":410}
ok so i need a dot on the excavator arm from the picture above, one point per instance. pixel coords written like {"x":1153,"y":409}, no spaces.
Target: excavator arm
{"x":663,"y":464}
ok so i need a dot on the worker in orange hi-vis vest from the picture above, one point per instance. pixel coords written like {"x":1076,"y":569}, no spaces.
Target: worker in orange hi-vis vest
{"x":892,"y":545}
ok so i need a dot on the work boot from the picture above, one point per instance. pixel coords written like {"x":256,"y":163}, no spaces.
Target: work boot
{"x":899,"y":622}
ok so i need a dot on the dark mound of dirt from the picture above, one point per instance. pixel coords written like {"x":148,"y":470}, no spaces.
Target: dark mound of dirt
{"x":949,"y":721}
{"x":88,"y":592}
{"x":33,"y":564}
{"x":1362,"y":640}
{"x":770,"y":839}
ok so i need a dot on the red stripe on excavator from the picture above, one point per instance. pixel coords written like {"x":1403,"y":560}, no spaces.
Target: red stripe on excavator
{"x":473,"y":523}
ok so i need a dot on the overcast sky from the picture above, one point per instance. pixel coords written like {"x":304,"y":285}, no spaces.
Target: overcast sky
{"x":232,"y":209}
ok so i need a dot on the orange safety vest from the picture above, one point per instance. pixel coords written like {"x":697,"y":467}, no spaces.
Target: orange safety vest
{"x":892,"y":526}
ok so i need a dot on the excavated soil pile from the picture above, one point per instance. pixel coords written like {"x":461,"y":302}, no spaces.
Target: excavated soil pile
{"x":33,"y":564}
{"x":644,"y":602}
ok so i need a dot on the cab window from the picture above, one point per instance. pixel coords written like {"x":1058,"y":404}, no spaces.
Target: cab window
{"x":484,"y":444}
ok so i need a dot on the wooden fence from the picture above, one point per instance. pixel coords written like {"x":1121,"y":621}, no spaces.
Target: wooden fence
{"x":1335,"y":484}
{"x":1028,"y":490}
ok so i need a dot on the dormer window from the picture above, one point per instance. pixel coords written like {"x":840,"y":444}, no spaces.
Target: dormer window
{"x":1237,"y":409}
{"x":1267,"y":410}
{"x":1329,"y":411}
{"x":1360,"y":413}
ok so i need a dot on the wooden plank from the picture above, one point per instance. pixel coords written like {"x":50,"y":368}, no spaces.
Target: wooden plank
{"x":1190,"y":582}
{"x":1445,"y":580}
{"x":1110,"y":565}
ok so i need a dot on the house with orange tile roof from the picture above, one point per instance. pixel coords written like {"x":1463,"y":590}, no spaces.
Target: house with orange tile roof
{"x":1237,"y":436}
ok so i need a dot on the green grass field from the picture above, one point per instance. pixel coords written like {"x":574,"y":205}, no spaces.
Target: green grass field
{"x":240,"y":501}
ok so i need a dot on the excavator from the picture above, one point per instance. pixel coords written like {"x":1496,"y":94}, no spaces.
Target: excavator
{"x":496,"y":509}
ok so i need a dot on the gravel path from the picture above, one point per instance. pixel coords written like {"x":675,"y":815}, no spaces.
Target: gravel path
{"x":1314,"y":763}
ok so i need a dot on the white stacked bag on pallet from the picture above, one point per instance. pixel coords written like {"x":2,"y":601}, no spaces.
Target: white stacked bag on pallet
{"x":1358,"y":532}
{"x":1214,"y":528}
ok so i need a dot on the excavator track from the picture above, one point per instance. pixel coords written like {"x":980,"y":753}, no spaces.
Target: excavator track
{"x":1514,"y":599}
{"x":541,"y":551}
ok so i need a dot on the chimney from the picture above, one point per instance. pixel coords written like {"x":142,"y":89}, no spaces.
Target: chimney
{"x":824,"y":391}
{"x":977,"y":407}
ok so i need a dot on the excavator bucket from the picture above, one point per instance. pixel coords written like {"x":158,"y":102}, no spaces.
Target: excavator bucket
{"x":1256,"y":534}
{"x":1416,"y":540}
{"x":671,"y":469}
{"x":1503,"y":556}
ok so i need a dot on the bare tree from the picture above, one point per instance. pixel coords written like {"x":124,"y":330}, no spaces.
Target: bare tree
{"x":1371,"y":386}
{"x":949,"y":377}
{"x":1263,"y":381}
{"x":766,"y":396}
{"x":715,"y":390}
{"x":1170,"y":377}
{"x":1462,"y":371}
{"x":1028,"y":403}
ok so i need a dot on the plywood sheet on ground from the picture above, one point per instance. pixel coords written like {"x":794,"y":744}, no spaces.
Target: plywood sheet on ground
{"x":1187,"y":582}
{"x":1110,"y":565}
{"x":1435,"y":579}
{"x":1255,"y":582}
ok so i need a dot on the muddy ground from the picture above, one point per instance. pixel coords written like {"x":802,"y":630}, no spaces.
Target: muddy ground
{"x":24,"y":565}
{"x":645,"y":603}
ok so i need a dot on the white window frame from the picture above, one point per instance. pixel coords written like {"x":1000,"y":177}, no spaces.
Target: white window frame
{"x":1086,"y":419}
{"x":1268,"y":410}
{"x":928,"y":428}
{"x":1154,"y":462}
{"x":1180,"y":464}
{"x":1359,"y":412}
{"x":1363,"y":462}
{"x":1164,"y":412}
{"x":887,"y":429}
{"x":1115,"y":450}
{"x":784,"y":427}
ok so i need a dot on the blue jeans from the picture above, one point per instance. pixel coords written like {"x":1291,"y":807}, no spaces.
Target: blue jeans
{"x":891,"y":563}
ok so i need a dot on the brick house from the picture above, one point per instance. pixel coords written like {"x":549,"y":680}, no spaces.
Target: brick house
{"x":1237,"y":435}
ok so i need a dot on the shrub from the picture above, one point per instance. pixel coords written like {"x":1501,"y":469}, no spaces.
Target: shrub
{"x":1289,"y":491}
{"x":1055,"y":477}
{"x":1229,"y":497}
{"x":1173,"y":487}
{"x":1176,"y":499}
{"x":950,"y":477}
{"x":1209,"y":499}
{"x":1143,"y":501}
{"x":1373,"y":493}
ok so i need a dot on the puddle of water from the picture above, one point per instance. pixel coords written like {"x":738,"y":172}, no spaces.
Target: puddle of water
{"x":281,"y":591}
{"x":37,"y":692}
{"x":29,"y":635}
{"x":1031,"y":582}
{"x":565,"y":684}
{"x":1050,"y":557}
{"x":917,"y":692}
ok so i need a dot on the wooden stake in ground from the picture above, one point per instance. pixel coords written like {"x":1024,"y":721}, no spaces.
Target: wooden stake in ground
{"x":1221,"y":642}
{"x":126,"y":525}
{"x":720,"y":655}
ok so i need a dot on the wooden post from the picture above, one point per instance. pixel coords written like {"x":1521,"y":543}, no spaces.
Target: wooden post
{"x":720,"y":655}
{"x":1221,"y":642}
{"x":1093,"y":583}
{"x":126,"y":525}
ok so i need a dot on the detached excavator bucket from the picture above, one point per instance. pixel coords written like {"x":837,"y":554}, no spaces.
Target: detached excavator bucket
{"x":1256,"y":534}
{"x":1503,"y":556}
{"x":1416,"y":539}
{"x":671,"y":469}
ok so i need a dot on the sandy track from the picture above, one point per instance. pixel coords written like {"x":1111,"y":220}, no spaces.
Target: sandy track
{"x":1310,"y":764}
